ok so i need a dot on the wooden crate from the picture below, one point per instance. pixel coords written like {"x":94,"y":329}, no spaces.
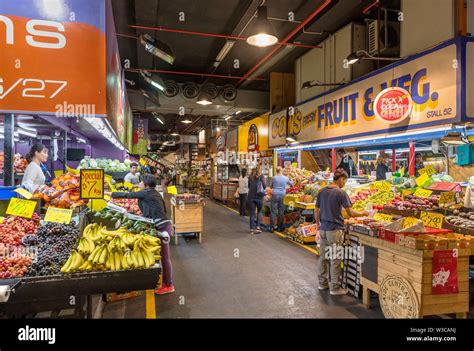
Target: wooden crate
{"x":415,"y":267}
{"x":188,"y":219}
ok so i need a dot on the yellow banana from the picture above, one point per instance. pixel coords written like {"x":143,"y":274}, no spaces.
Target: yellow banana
{"x":65,"y":268}
{"x":118,"y":261}
{"x":134,"y":257}
{"x":124,"y":262}
{"x":141,"y":262}
{"x":103,"y":255}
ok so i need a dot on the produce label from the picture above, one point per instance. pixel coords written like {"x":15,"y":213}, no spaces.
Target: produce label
{"x":142,"y":162}
{"x":128,"y":185}
{"x":429,"y":170}
{"x":406,"y":193}
{"x":21,"y":208}
{"x":23,"y":192}
{"x":409,"y":222}
{"x":383,"y":217}
{"x":107,"y":197}
{"x":420,"y":192}
{"x":381,"y":186}
{"x":92,"y":183}
{"x":445,"y":272}
{"x":448,"y":197}
{"x":172,"y":190}
{"x":422,"y":179}
{"x":431,"y":219}
{"x":58,"y":215}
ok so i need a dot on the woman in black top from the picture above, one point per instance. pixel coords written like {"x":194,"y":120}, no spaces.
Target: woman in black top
{"x":382,"y":167}
{"x":255,"y":198}
{"x":152,"y":206}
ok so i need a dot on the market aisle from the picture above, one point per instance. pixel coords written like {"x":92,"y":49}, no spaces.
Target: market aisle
{"x":270,"y":278}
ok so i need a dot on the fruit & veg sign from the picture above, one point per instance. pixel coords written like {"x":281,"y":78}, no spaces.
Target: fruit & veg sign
{"x":92,"y":183}
{"x":21,"y":208}
{"x":417,"y":93}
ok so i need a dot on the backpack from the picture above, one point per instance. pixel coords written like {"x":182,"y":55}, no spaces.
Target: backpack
{"x":260,"y":188}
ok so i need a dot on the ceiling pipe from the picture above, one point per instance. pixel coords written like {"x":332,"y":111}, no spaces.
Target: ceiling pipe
{"x":213,"y":35}
{"x":366,"y":10}
{"x":192,"y":125}
{"x":284,"y":41}
{"x":138,"y":70}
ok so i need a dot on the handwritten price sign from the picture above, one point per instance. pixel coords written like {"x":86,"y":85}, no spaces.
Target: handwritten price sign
{"x":431,"y":219}
{"x":383,"y":217}
{"x":92,"y":183}
{"x":25,"y":193}
{"x":423,"y":193}
{"x":409,"y":222}
{"x":58,"y":215}
{"x":429,"y":171}
{"x":422,"y":179}
{"x":447,"y":198}
{"x":21,"y":208}
{"x":381,"y":186}
{"x":406,"y":193}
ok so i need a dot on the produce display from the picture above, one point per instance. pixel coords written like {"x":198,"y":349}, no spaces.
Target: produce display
{"x":378,"y":201}
{"x":14,"y":266}
{"x":19,"y":163}
{"x":131,"y":205}
{"x":107,"y":165}
{"x":100,"y":250}
{"x":299,"y":175}
{"x":412,"y":202}
{"x":13,"y":229}
{"x":64,"y":192}
{"x":55,"y":242}
{"x":461,"y":219}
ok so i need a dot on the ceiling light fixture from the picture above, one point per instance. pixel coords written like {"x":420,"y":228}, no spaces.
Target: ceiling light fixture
{"x":238,"y":112}
{"x":229,"y":44}
{"x":157,"y":48}
{"x":264,"y":33}
{"x":317,"y":83}
{"x":454,"y":138}
{"x":80,"y":140}
{"x":227,"y":118}
{"x":186,"y":121}
{"x":27,"y":133}
{"x":364,"y":55}
{"x":159,"y":84}
{"x":290,"y":139}
{"x":204,"y":99}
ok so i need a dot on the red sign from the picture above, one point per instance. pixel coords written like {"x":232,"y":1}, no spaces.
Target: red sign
{"x":445,"y":272}
{"x":393,"y":105}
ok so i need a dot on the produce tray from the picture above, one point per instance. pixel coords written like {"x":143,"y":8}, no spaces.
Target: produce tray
{"x":305,"y":205}
{"x":82,"y":284}
{"x":403,"y":213}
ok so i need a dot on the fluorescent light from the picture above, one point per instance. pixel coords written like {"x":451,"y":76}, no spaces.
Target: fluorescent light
{"x":147,"y":77}
{"x":27,"y":133}
{"x":225,"y":50}
{"x":238,"y":112}
{"x":80,"y":140}
{"x":227,"y":118}
{"x":186,"y":121}
{"x":25,"y":127}
{"x":157,"y":48}
{"x":174,"y":133}
{"x":157,"y":116}
{"x":290,"y":139}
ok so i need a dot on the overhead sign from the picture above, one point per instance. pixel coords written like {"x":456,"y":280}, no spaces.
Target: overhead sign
{"x":53,"y":57}
{"x":351,"y":111}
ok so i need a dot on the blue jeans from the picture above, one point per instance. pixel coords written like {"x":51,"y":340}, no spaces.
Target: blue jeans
{"x":277,"y":208}
{"x":255,"y":203}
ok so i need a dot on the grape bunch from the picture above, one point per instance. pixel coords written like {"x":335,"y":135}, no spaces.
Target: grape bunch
{"x":55,"y":243}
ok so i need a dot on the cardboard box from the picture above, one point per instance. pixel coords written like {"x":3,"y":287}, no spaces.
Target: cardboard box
{"x":110,"y":297}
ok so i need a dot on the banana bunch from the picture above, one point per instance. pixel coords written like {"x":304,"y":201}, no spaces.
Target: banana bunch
{"x":92,"y":231}
{"x":117,"y":244}
{"x":73,"y":263}
{"x":128,"y":238}
{"x":85,"y":245}
{"x":147,"y":243}
{"x":99,"y":255}
{"x":138,"y":259}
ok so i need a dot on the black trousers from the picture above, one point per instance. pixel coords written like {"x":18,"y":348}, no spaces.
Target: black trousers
{"x":243,"y":204}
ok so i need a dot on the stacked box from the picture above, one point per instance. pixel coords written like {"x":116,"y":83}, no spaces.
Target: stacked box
{"x":352,"y":269}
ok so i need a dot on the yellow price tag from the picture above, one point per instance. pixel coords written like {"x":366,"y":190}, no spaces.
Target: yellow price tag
{"x":58,"y":215}
{"x":428,"y":170}
{"x":381,"y":186}
{"x":406,"y":193}
{"x":25,"y":193}
{"x":402,"y":172}
{"x":107,"y":197}
{"x":172,"y":190}
{"x":128,"y":185}
{"x":422,"y":179}
{"x":420,"y":192}
{"x":383,"y":217}
{"x":58,"y":173}
{"x":447,"y":197}
{"x":1,"y":219}
{"x":72,"y":171}
{"x":97,"y":205}
{"x":432,"y":219}
{"x":409,"y":222}
{"x":21,"y":208}
{"x":92,"y":183}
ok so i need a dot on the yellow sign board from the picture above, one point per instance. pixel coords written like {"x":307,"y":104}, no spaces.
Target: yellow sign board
{"x":107,"y":197}
{"x":25,"y":193}
{"x":172,"y":190}
{"x":21,"y":208}
{"x":92,"y":183}
{"x":447,"y":197}
{"x":58,"y":215}
{"x":383,"y":217}
{"x":381,"y":186}
{"x":97,"y":205}
{"x":432,"y":219}
{"x":128,"y":185}
{"x":402,"y":172}
{"x":428,"y":170}
{"x":422,"y":179}
{"x":409,"y":222}
{"x":406,"y":193}
{"x":420,"y":192}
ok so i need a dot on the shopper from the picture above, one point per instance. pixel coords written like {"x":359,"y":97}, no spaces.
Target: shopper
{"x":329,"y":204}
{"x":382,"y":167}
{"x":243,"y":191}
{"x":34,"y":176}
{"x":347,"y":163}
{"x":278,"y":185}
{"x":152,"y":206}
{"x":418,"y":163}
{"x":255,"y":198}
{"x":132,"y":176}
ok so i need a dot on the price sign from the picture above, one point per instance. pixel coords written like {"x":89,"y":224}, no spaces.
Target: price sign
{"x":25,"y":193}
{"x":128,"y":185}
{"x":422,"y":179}
{"x":402,"y":172}
{"x":58,"y":215}
{"x":409,"y":222}
{"x":383,"y":217}
{"x":431,"y":219}
{"x":172,"y":190}
{"x":21,"y":208}
{"x":142,"y":162}
{"x":448,"y":197}
{"x":107,"y":197}
{"x":429,"y":171}
{"x":420,"y":192}
{"x":92,"y":183}
{"x":406,"y":193}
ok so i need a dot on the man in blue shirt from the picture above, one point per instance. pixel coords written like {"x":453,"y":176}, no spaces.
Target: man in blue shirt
{"x":278,"y":185}
{"x":329,"y":204}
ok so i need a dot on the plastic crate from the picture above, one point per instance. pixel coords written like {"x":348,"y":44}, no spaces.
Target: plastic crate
{"x":7,"y":192}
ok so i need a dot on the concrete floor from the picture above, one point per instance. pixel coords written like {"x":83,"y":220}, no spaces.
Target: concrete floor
{"x":233,"y":274}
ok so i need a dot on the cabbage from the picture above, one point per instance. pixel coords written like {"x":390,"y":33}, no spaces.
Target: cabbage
{"x":93,"y":163}
{"x":447,"y":178}
{"x":127,"y":162}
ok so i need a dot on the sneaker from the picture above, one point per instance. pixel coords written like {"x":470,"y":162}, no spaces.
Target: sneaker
{"x":164,"y":290}
{"x":323,"y":287}
{"x":338,"y":292}
{"x":252,"y":231}
{"x":258,"y":231}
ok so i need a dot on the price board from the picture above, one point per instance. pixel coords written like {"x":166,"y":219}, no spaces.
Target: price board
{"x":422,"y":179}
{"x":432,"y":219}
{"x":406,"y":193}
{"x":21,"y":207}
{"x":381,"y":186}
{"x":420,"y":192}
{"x":172,"y":190}
{"x":128,"y":185}
{"x":447,"y":198}
{"x":383,"y":217}
{"x":58,"y":215}
{"x":428,"y":170}
{"x":23,"y":192}
{"x":107,"y":197}
{"x":409,"y":222}
{"x":92,"y":183}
